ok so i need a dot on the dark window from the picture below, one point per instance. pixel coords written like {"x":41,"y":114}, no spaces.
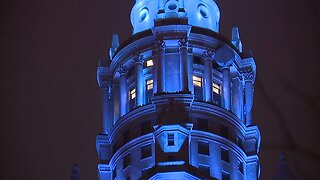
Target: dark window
{"x":217,"y":99}
{"x":215,"y":65}
{"x":224,"y":131}
{"x":204,"y":169}
{"x":203,"y":148}
{"x":240,"y":167}
{"x":143,"y":171}
{"x":114,"y":172}
{"x":225,"y":176}
{"x":126,"y":136}
{"x":197,"y":60}
{"x":238,"y":141}
{"x":146,"y":151}
{"x":202,"y":124}
{"x":126,"y":161}
{"x":171,"y":158}
{"x":145,"y":127}
{"x":170,"y":139}
{"x":225,"y":155}
{"x":114,"y":148}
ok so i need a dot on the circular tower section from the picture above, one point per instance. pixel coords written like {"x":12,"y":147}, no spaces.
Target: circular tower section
{"x":177,"y":98}
{"x":201,"y":13}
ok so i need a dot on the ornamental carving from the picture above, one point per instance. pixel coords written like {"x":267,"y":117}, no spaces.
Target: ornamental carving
{"x":160,"y":44}
{"x":248,"y":76}
{"x":138,"y":58}
{"x":123,"y":70}
{"x":183,"y":42}
{"x":208,"y":54}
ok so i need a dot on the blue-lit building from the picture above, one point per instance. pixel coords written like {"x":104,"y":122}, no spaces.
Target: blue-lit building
{"x":177,"y":98}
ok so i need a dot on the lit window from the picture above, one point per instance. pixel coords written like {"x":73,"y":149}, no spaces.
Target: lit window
{"x":216,"y":88}
{"x":132,"y":94}
{"x":149,"y":84}
{"x":149,"y":63}
{"x":170,"y":139}
{"x":197,"y":81}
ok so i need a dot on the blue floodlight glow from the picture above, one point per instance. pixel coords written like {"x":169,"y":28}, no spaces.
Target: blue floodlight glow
{"x":177,"y":98}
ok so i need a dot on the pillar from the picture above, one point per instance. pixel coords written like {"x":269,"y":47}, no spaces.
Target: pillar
{"x":106,"y":107}
{"x":226,"y":88}
{"x":123,"y":70}
{"x":237,"y":97}
{"x":139,"y":79}
{"x":184,"y":74}
{"x":248,"y":85}
{"x":160,"y":65}
{"x":207,"y":75}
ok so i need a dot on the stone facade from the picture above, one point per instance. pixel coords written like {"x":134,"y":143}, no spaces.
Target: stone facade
{"x":177,"y":98}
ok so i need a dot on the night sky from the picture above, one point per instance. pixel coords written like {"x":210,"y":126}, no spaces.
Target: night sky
{"x":50,"y":101}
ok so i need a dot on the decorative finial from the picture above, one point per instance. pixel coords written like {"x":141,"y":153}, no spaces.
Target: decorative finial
{"x":114,"y":45}
{"x":75,"y":174}
{"x":235,"y":38}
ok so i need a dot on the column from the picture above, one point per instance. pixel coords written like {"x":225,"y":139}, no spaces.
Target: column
{"x":184,"y":75}
{"x":226,"y":88}
{"x":207,"y":75}
{"x":237,"y":97}
{"x":139,"y":60}
{"x":123,"y":70}
{"x":106,"y":107}
{"x":248,"y":92}
{"x":160,"y":65}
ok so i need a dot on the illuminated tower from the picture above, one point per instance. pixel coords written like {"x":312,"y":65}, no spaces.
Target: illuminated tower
{"x":177,"y":98}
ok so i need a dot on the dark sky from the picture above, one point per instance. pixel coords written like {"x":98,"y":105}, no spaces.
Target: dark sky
{"x":50,"y":102}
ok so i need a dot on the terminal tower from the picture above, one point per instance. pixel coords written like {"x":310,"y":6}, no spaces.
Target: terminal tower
{"x":177,"y":98}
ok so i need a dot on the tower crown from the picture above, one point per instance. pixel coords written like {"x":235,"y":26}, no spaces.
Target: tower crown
{"x":177,"y":98}
{"x":201,"y":13}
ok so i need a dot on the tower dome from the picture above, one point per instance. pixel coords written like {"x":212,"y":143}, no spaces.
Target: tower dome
{"x":201,"y":13}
